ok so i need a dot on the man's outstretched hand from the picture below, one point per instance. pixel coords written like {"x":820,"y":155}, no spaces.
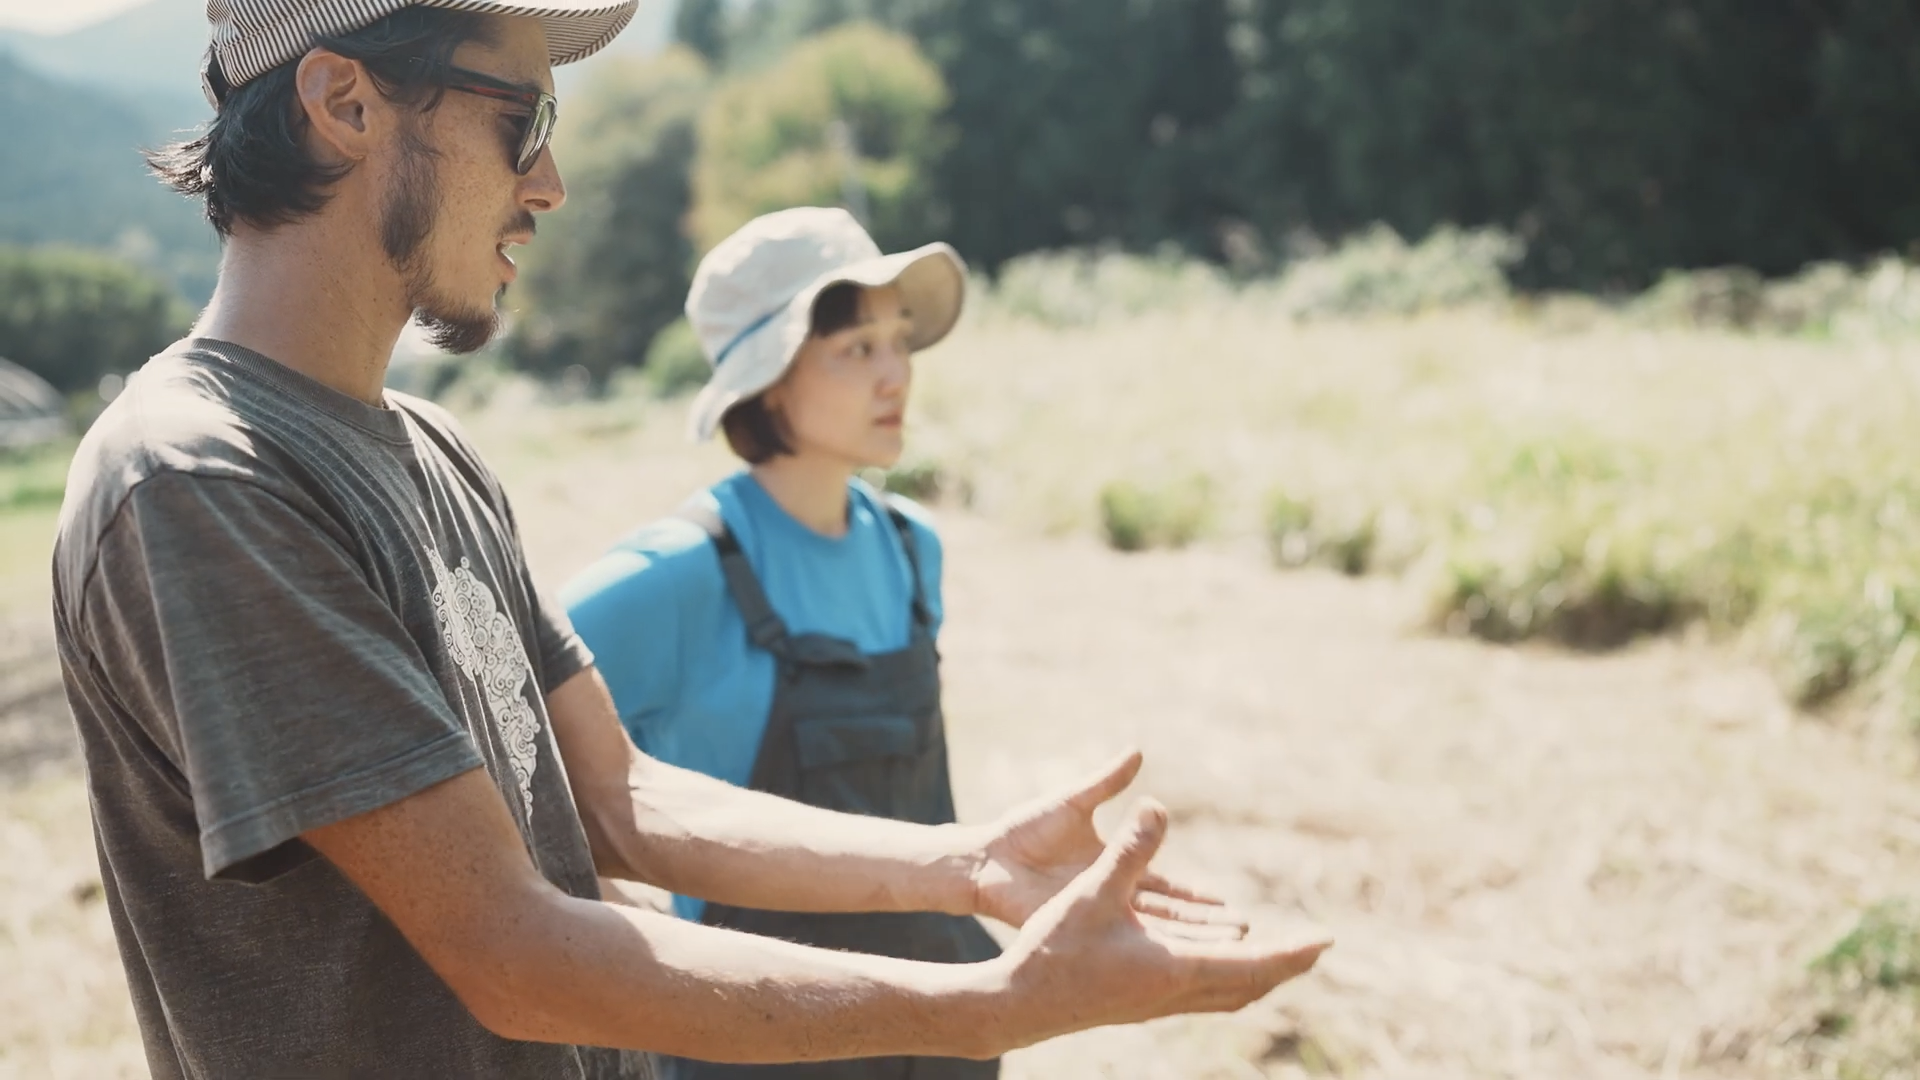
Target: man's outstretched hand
{"x":1037,"y":849}
{"x":1087,"y":959}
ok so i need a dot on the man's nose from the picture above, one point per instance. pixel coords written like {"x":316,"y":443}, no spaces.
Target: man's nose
{"x":541,"y":190}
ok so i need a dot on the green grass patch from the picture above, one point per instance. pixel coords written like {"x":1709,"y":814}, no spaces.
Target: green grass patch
{"x":1140,"y":517}
{"x":1882,"y":951}
{"x":925,"y":480}
{"x":1860,"y":1017}
{"x":34,"y":479}
{"x":1299,"y":534}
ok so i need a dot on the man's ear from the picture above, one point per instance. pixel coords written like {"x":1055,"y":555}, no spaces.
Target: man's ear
{"x":340,"y":103}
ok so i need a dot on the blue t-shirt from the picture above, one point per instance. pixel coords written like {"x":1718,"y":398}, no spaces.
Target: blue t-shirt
{"x":666,"y":635}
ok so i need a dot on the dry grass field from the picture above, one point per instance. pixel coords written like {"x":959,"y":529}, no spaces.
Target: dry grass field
{"x":1645,"y":862}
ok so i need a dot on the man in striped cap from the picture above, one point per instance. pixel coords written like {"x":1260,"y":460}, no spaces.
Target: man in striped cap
{"x":354,"y":780}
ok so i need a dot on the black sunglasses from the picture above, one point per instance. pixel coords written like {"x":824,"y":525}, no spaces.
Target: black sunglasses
{"x":543,"y":110}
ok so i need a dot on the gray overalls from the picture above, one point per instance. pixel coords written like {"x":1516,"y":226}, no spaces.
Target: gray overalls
{"x":862,"y":734}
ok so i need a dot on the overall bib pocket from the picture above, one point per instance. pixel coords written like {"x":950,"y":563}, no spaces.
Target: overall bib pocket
{"x":858,"y":764}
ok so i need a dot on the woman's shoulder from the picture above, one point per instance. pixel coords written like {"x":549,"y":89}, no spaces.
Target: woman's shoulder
{"x":886,"y":503}
{"x":668,"y":556}
{"x":920,"y":520}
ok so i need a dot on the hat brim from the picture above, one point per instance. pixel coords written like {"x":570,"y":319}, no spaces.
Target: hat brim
{"x":576,"y":29}
{"x":933,"y":288}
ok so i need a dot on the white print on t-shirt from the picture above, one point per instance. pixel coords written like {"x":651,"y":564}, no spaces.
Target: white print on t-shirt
{"x":488,"y":649}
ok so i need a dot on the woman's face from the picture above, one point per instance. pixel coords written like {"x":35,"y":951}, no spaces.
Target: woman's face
{"x":845,"y":397}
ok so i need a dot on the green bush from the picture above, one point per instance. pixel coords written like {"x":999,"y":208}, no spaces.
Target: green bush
{"x":925,"y":480}
{"x":35,"y":478}
{"x":1080,"y":288}
{"x":846,"y":118}
{"x":612,"y":271}
{"x":1376,"y":273}
{"x":1581,"y":593}
{"x":71,"y":317}
{"x":1879,"y":299}
{"x":1298,"y":536}
{"x":676,"y":366}
{"x":1734,"y":298}
{"x":1882,"y":950}
{"x":1137,"y":518}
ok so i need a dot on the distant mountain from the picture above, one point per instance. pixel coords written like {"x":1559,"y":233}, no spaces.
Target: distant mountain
{"x":150,"y":55}
{"x":154,"y":53}
{"x":72,"y":174}
{"x":80,"y":105}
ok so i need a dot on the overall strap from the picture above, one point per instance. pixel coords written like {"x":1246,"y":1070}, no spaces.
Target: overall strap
{"x":764,"y":628}
{"x":922,"y":614}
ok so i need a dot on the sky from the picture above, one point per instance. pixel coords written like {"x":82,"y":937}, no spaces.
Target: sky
{"x":55,"y":16}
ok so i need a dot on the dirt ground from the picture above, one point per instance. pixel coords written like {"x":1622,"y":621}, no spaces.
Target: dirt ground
{"x":1536,"y":864}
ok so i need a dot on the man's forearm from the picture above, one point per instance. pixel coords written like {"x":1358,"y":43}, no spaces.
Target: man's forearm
{"x":702,"y":837}
{"x":649,"y":821}
{"x":598,"y":975}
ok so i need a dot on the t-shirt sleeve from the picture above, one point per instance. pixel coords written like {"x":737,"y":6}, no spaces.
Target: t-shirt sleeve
{"x":289,"y":695}
{"x":628,"y":607}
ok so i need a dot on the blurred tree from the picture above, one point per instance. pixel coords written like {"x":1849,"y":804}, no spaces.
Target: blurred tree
{"x":613,"y":270}
{"x":763,"y":31}
{"x":1619,"y":137}
{"x":1083,"y":121}
{"x":72,"y":316}
{"x":1867,"y":87}
{"x":768,"y":140}
{"x":701,"y":25}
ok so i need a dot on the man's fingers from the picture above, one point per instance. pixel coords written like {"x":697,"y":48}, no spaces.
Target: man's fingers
{"x":1155,"y":883}
{"x":1171,"y":909}
{"x":1250,"y":968}
{"x":1163,"y":930}
{"x":1124,"y":862}
{"x":1108,"y":782}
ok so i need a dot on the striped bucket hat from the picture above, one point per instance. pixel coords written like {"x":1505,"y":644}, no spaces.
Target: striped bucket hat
{"x":252,"y":37}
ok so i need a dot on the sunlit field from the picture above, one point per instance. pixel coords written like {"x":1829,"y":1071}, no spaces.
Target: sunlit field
{"x":1561,"y":663}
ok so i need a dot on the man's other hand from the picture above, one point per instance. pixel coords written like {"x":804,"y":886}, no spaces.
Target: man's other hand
{"x":1036,"y":850}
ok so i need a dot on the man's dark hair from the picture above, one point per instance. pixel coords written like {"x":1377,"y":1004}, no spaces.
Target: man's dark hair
{"x":752,"y":429}
{"x":251,"y":164}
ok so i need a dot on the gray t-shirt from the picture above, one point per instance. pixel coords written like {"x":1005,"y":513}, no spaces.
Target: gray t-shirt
{"x":278,"y":607}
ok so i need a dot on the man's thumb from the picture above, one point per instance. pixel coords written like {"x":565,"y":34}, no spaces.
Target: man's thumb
{"x":1131,"y":850}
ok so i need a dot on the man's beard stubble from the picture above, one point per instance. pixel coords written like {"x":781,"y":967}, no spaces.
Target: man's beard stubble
{"x":406,"y":224}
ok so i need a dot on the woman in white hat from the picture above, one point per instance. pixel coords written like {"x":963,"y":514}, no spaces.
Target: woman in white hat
{"x":779,"y":632}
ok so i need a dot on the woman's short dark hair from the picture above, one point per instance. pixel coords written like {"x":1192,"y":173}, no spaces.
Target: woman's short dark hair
{"x":251,"y":163}
{"x":753,"y":430}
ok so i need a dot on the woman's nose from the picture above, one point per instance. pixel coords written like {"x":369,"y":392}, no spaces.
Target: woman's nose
{"x":896,"y":368}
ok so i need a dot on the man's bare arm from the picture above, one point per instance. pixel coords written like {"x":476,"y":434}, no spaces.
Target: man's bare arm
{"x":449,"y":869}
{"x":694,"y":835}
{"x":651,"y":822}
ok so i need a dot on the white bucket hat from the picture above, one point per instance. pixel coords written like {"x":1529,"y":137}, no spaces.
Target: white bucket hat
{"x":751,"y":304}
